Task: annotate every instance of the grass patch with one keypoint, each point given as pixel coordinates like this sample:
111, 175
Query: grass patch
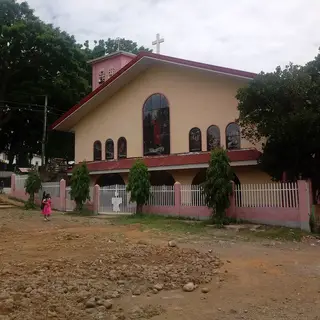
279, 233
168, 224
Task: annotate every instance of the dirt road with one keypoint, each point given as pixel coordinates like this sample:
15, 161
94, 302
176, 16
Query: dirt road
86, 268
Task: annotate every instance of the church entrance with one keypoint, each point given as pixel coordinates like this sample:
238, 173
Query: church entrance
114, 198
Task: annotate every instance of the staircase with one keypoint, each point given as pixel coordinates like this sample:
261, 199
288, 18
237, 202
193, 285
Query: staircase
5, 204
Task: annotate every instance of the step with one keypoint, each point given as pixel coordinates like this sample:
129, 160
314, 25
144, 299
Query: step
6, 206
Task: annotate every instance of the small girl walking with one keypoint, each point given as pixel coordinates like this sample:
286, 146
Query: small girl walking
46, 206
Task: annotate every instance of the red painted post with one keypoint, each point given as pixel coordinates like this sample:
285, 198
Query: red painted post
177, 198
13, 184
63, 199
96, 199
304, 204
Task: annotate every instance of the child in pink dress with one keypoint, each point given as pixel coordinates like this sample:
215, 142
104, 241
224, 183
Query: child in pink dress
46, 211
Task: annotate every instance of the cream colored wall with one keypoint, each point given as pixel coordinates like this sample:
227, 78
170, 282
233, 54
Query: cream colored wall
196, 99
251, 174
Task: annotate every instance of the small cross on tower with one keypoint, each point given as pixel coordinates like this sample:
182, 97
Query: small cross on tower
157, 43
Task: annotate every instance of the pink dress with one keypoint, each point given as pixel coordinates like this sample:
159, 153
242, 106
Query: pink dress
47, 207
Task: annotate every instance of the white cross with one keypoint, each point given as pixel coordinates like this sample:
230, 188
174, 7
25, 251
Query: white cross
116, 202
157, 43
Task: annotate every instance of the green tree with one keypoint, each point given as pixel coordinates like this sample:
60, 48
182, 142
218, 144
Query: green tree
282, 110
103, 47
36, 59
218, 185
32, 185
139, 184
80, 186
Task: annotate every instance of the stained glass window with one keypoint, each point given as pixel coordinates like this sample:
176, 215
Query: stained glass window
156, 125
109, 149
233, 138
122, 148
97, 151
213, 137
195, 140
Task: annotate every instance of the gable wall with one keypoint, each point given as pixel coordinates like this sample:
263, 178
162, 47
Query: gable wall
196, 99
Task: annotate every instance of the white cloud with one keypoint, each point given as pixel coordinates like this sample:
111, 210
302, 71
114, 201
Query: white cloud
244, 34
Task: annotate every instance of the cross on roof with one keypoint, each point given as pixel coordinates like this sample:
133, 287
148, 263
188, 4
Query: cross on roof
157, 43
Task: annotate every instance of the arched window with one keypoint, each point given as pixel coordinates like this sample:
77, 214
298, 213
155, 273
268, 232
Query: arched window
97, 151
156, 125
109, 149
213, 137
195, 140
122, 148
233, 138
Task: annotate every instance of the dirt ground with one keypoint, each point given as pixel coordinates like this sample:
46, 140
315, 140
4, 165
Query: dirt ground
91, 268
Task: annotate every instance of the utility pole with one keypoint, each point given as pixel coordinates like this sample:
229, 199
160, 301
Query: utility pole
44, 134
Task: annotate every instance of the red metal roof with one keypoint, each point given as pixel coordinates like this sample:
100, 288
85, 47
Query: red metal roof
171, 160
187, 63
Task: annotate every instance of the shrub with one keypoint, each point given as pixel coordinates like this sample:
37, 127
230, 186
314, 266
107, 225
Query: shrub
80, 186
139, 185
32, 186
218, 186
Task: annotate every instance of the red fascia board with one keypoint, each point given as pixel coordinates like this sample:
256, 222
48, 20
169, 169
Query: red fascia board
171, 160
189, 63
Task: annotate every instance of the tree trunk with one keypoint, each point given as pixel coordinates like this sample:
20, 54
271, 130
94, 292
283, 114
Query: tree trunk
139, 208
31, 198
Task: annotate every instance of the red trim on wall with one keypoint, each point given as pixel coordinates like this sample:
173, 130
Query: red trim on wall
172, 160
157, 57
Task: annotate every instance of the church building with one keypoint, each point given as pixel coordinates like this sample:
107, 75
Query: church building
168, 111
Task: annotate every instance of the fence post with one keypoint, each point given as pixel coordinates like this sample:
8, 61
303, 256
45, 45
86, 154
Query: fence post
304, 204
13, 184
96, 199
177, 198
63, 200
231, 211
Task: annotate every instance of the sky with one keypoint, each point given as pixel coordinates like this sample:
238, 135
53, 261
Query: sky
251, 35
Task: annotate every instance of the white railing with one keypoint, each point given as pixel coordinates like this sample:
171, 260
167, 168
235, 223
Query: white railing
70, 204
161, 196
20, 181
53, 188
115, 199
192, 196
277, 195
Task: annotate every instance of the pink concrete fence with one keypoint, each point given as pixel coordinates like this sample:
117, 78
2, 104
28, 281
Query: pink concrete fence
282, 204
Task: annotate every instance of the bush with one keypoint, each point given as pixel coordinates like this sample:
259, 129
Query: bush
32, 185
80, 186
139, 185
218, 186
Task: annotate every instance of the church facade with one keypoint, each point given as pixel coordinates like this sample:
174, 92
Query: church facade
168, 111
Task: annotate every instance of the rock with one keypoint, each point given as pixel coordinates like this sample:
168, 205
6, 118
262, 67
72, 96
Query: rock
155, 291
205, 290
143, 242
136, 292
91, 303
189, 287
158, 286
28, 290
172, 244
108, 304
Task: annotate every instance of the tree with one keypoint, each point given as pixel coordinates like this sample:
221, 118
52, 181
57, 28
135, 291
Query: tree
139, 184
282, 110
218, 185
103, 47
36, 59
32, 185
80, 186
